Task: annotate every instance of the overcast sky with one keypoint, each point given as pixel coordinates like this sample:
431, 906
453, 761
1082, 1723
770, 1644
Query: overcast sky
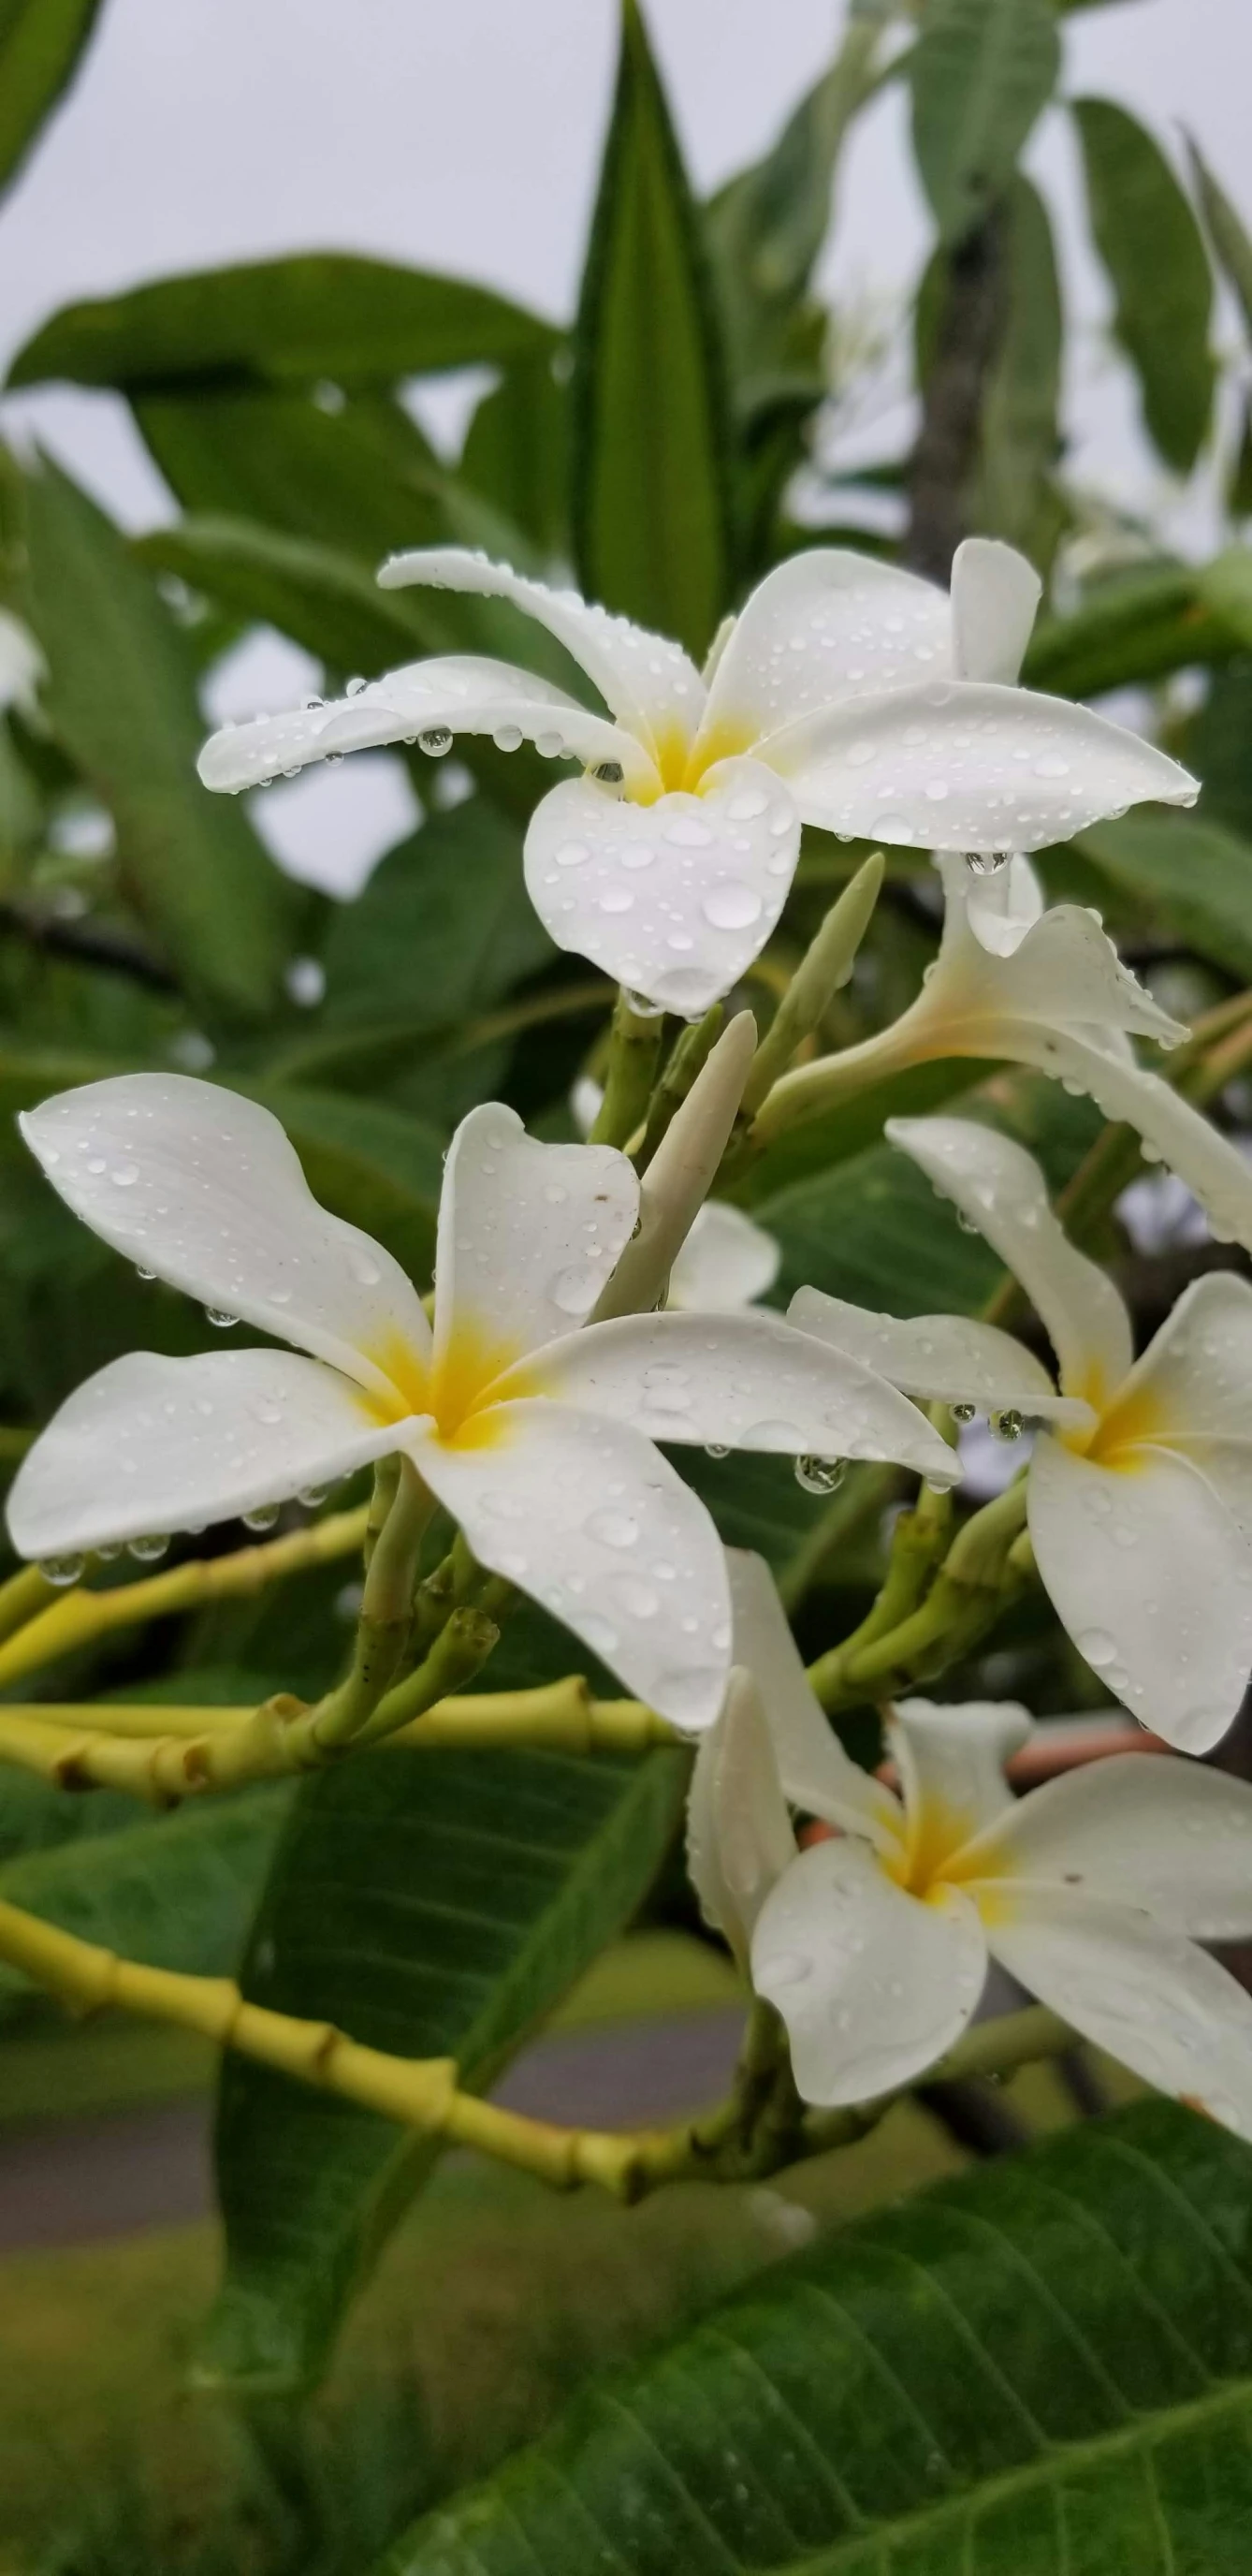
467, 139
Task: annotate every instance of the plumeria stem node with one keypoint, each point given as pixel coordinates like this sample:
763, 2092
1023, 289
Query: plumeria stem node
634, 1046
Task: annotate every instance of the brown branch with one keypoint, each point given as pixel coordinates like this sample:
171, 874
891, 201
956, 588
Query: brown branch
941, 468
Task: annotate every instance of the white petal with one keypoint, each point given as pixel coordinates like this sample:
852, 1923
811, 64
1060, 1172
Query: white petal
872, 1984
742, 1382
1153, 1580
645, 680
1145, 1994
202, 1188
1175, 1134
673, 899
1002, 907
155, 1445
822, 627
528, 1235
589, 1520
1192, 1390
951, 1762
949, 1358
725, 1264
967, 765
817, 1775
995, 593
1172, 1836
739, 1837
22, 665
1062, 969
457, 693
1000, 1188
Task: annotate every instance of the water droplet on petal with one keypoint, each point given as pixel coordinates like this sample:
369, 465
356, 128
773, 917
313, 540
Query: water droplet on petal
820, 1475
218, 1316
148, 1548
61, 1570
436, 742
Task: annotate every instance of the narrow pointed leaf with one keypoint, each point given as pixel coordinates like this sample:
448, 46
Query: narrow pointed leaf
979, 75
1226, 230
1043, 2366
1137, 625
1016, 496
1151, 245
42, 43
649, 430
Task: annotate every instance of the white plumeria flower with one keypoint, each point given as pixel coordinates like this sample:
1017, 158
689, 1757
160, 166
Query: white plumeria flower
727, 1261
846, 694
536, 1436
874, 1944
1016, 984
1139, 1488
22, 668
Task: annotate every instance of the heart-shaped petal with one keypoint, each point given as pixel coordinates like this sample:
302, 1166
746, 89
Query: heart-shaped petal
673, 899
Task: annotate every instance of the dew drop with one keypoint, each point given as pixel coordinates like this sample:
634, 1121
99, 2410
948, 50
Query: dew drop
148, 1548
731, 907
436, 742
574, 1291
609, 772
572, 854
124, 1175
263, 1518
964, 1412
613, 1529
61, 1570
507, 737
820, 1475
218, 1316
145, 1274
1098, 1647
987, 863
1008, 1425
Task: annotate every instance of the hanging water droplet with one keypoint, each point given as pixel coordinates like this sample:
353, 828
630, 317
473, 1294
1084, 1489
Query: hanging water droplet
550, 746
820, 1475
263, 1518
609, 772
145, 1274
1008, 1425
312, 1495
987, 863
507, 737
716, 1449
964, 1412
217, 1315
642, 1007
436, 742
107, 1554
966, 1223
148, 1549
61, 1570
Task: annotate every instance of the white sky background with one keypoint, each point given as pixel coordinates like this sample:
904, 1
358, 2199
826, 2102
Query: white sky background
468, 139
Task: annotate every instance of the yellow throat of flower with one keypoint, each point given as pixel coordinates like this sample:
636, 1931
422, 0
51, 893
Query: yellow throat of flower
458, 1388
683, 767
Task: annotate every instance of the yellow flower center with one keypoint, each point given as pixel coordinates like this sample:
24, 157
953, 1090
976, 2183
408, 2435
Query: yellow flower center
458, 1388
1134, 1418
683, 768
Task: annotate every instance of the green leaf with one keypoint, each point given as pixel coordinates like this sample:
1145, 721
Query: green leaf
325, 600
874, 1232
1226, 230
442, 930
42, 43
1151, 245
651, 512
1194, 875
979, 75
516, 452
1016, 496
360, 477
321, 317
1041, 2367
1217, 744
1136, 625
173, 1891
121, 698
374, 1165
433, 1904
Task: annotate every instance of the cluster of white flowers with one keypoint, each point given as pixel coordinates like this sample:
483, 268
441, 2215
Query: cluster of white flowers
854, 697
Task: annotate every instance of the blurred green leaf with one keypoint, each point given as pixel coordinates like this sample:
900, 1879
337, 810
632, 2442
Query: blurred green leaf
873, 1231
650, 435
319, 317
42, 43
1195, 876
1217, 744
1239, 482
433, 1904
516, 451
360, 476
376, 1166
1042, 2366
1134, 625
1016, 495
121, 698
979, 75
1226, 230
325, 600
1151, 245
444, 927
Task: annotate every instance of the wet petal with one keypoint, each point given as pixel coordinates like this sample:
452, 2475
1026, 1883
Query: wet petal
1172, 1836
673, 899
153, 1445
949, 1358
995, 593
999, 1187
588, 1519
1153, 1580
646, 681
1173, 1131
1061, 970
967, 766
1145, 1994
203, 1189
1002, 907
951, 1762
823, 626
456, 693
1192, 1390
817, 1775
528, 1235
742, 1382
872, 1985
739, 1837
725, 1264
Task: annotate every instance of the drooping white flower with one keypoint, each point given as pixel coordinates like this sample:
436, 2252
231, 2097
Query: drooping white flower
538, 1437
1139, 1487
874, 1944
727, 1261
846, 694
22, 668
1016, 984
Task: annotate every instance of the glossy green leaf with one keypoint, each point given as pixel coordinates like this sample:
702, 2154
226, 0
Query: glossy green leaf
1016, 496
1040, 2368
1195, 876
873, 1231
433, 1904
320, 317
121, 698
42, 43
1151, 245
1135, 625
1226, 230
650, 438
979, 75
